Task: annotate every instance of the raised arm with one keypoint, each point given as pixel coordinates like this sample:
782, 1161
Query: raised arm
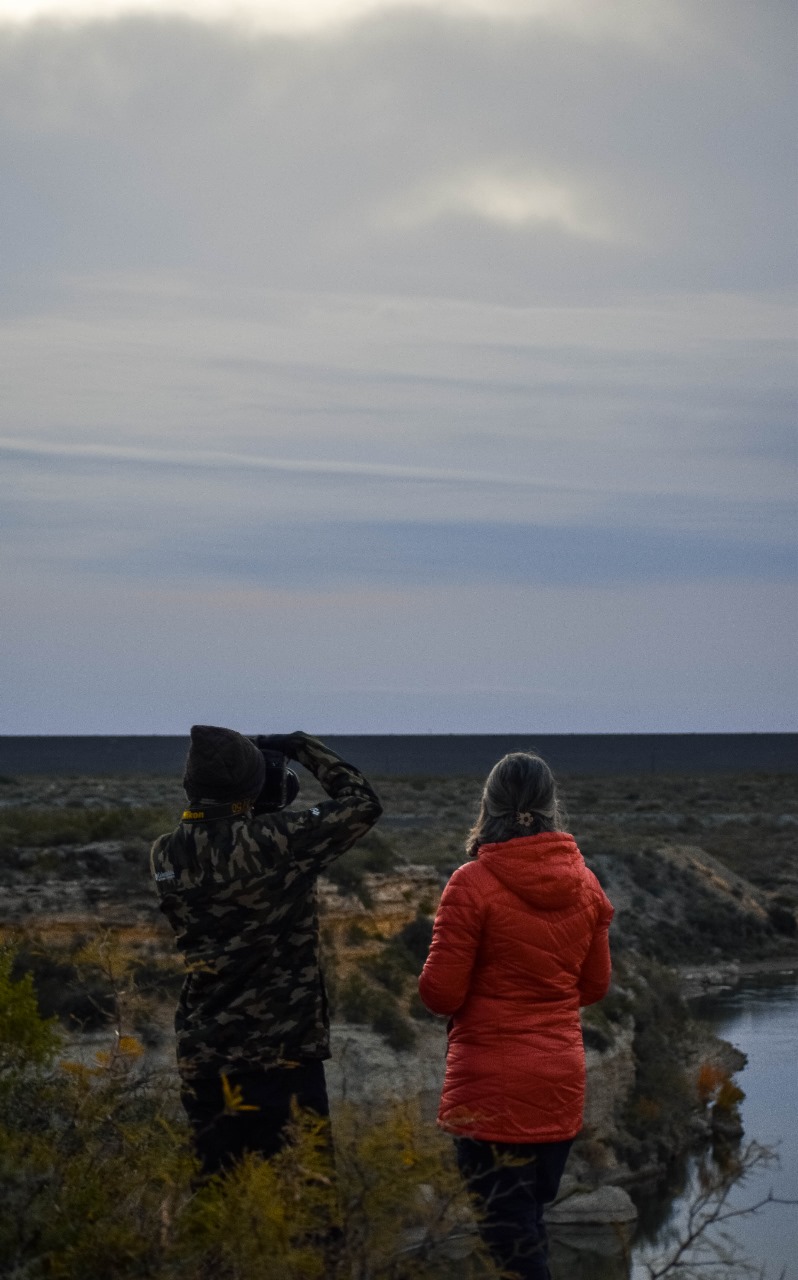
318, 835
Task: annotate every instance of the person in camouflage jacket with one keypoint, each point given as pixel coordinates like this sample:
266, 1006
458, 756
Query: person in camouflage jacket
240, 894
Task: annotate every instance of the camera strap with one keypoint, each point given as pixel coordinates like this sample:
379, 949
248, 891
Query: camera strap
210, 812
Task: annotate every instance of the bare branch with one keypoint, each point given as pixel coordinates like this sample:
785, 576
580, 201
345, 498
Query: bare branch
707, 1214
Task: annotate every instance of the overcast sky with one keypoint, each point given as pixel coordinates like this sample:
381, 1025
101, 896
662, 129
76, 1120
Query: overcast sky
381, 368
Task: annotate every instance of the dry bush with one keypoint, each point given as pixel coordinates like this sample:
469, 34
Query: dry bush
97, 1175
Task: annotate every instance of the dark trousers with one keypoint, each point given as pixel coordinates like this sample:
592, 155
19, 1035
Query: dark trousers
510, 1183
222, 1136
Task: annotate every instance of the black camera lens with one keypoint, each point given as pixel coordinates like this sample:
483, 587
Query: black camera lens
280, 786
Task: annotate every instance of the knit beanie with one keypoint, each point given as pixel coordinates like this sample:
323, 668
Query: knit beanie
222, 765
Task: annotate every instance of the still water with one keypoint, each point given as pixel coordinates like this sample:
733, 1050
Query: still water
760, 1016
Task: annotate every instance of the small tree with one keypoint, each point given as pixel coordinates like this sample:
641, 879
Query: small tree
27, 1041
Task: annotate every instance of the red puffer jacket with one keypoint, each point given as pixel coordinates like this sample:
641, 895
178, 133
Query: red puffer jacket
520, 942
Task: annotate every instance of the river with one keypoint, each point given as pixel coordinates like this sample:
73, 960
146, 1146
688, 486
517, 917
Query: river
760, 1016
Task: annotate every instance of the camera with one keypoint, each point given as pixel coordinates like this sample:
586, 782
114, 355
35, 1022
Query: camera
281, 785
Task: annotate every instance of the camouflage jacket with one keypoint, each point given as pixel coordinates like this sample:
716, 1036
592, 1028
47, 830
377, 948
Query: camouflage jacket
240, 894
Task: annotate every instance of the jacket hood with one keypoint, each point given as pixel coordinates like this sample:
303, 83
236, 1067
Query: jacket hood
546, 870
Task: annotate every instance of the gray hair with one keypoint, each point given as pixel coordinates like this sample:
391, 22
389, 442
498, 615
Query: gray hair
519, 799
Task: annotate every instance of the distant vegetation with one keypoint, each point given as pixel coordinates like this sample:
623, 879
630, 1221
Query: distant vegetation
24, 827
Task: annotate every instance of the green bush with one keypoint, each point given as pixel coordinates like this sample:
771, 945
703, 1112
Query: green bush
352, 999
356, 935
389, 968
26, 827
27, 1040
402, 957
360, 1002
371, 854
660, 1106
96, 1174
415, 939
388, 1021
80, 995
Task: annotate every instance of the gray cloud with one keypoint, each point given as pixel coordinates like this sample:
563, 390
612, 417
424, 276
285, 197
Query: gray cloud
215, 461
156, 518
365, 331
180, 145
392, 554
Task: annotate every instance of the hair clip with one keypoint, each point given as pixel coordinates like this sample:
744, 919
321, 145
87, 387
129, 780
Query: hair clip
525, 819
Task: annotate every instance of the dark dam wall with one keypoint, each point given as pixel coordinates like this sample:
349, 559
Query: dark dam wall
436, 754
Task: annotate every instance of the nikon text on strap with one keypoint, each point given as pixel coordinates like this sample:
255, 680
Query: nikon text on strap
210, 812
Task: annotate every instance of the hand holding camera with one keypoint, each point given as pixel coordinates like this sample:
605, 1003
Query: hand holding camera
281, 785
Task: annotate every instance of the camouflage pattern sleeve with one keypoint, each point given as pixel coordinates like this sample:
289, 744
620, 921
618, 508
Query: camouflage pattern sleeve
240, 895
317, 836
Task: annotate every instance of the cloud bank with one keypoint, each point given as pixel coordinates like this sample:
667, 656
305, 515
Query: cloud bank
372, 321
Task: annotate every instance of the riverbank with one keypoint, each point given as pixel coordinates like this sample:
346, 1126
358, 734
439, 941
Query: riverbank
759, 1016
699, 980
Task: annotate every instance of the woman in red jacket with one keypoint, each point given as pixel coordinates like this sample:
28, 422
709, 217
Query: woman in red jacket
520, 942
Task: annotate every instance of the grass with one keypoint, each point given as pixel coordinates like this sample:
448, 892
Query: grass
22, 827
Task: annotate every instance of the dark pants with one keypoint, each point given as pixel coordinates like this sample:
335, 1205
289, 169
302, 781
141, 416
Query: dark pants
510, 1183
221, 1137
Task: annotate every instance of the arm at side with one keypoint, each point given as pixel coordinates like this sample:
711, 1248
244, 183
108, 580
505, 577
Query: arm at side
446, 976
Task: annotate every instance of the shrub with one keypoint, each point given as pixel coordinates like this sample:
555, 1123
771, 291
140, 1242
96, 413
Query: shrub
710, 1077
418, 1010
415, 938
617, 1004
352, 999
661, 1103
595, 1037
158, 977
729, 1096
359, 1002
63, 826
356, 935
371, 854
80, 995
390, 968
26, 1038
388, 1020
96, 1176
